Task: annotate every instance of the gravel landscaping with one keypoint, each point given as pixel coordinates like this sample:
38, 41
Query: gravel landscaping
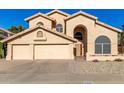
97, 67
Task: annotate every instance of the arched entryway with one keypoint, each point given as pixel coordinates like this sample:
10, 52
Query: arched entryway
80, 33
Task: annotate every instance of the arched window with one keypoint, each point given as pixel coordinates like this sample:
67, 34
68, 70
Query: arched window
59, 28
102, 45
39, 34
78, 36
40, 24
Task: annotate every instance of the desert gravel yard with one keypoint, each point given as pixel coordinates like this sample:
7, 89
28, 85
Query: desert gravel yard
60, 72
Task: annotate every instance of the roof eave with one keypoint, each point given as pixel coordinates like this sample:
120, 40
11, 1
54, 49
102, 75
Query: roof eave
36, 15
81, 13
57, 11
7, 31
108, 26
30, 29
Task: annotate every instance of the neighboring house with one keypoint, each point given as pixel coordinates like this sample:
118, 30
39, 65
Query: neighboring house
5, 33
58, 35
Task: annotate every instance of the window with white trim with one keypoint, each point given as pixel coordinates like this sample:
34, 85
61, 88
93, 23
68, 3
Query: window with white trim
102, 45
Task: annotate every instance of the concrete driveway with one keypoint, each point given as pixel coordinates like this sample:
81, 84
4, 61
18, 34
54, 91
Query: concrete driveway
52, 72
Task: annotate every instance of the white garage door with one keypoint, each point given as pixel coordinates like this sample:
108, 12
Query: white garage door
21, 52
52, 52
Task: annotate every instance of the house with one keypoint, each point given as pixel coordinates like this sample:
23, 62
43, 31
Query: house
59, 35
5, 33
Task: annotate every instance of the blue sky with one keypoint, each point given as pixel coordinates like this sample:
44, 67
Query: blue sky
15, 17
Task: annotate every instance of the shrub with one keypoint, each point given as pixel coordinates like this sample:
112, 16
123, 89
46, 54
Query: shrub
118, 60
108, 60
95, 60
3, 49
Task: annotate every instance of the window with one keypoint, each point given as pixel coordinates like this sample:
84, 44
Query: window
39, 34
59, 28
40, 24
102, 45
78, 36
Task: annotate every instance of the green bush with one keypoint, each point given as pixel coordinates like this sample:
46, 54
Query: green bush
2, 50
95, 60
118, 60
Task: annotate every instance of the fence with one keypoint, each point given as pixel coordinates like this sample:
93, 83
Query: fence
121, 49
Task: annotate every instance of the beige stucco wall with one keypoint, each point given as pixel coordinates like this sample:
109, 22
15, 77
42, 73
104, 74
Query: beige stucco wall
9, 52
47, 23
79, 20
93, 31
112, 35
87, 23
59, 19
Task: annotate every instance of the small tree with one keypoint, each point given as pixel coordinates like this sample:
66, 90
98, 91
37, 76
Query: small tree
16, 29
2, 55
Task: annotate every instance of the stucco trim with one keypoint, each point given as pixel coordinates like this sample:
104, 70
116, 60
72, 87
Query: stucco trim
37, 27
39, 14
108, 26
81, 13
54, 44
57, 11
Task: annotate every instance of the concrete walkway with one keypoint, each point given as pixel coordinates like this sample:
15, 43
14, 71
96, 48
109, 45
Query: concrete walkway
53, 72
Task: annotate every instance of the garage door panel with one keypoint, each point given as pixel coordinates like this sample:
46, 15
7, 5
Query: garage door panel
52, 52
21, 52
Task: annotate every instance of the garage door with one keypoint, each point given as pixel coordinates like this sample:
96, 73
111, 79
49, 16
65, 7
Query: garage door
21, 52
52, 52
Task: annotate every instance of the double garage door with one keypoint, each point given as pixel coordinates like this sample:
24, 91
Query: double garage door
25, 52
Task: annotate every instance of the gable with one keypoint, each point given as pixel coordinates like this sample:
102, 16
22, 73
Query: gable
46, 23
57, 16
90, 17
82, 14
79, 20
37, 15
58, 12
30, 36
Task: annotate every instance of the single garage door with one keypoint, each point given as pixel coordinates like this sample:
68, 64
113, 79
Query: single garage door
52, 52
21, 52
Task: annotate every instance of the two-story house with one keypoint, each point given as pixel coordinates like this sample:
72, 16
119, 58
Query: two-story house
59, 35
